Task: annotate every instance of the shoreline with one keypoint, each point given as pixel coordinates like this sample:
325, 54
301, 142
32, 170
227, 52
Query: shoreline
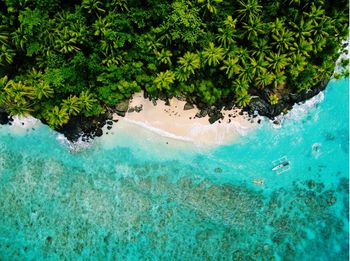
177, 120
83, 129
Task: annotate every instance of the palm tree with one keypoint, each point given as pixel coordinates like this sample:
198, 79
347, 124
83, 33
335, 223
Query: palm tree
321, 35
43, 89
231, 66
247, 73
16, 97
210, 5
298, 63
283, 40
112, 60
261, 47
258, 66
226, 36
181, 75
252, 29
304, 47
240, 85
273, 99
3, 82
277, 26
109, 42
4, 35
278, 61
213, 55
302, 29
101, 25
66, 41
249, 9
72, 105
315, 15
279, 79
189, 62
19, 39
164, 80
243, 99
164, 56
86, 100
6, 55
93, 6
120, 5
241, 52
230, 22
56, 117
264, 80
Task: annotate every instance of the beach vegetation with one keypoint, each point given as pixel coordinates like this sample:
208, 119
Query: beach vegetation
62, 59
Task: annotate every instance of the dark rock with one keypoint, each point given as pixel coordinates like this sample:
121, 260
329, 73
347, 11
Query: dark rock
188, 106
122, 107
261, 105
109, 122
215, 116
87, 127
131, 110
138, 108
201, 105
218, 170
4, 117
182, 97
109, 127
162, 96
202, 113
98, 132
311, 184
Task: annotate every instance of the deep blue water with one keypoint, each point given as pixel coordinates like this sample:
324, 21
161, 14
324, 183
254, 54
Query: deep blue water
137, 199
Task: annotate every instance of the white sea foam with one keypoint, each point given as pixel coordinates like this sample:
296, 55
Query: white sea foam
74, 147
158, 131
217, 133
299, 111
22, 124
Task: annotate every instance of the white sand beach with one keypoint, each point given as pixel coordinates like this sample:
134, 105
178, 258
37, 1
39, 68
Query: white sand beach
174, 122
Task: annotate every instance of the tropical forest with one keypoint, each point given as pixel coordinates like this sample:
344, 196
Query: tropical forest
60, 59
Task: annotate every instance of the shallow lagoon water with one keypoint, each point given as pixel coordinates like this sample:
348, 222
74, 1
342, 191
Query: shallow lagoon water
139, 198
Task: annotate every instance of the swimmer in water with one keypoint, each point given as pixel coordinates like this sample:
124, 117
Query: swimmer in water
259, 182
316, 149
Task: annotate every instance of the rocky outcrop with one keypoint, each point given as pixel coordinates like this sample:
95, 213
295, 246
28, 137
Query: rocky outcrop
4, 116
188, 106
122, 107
85, 127
261, 105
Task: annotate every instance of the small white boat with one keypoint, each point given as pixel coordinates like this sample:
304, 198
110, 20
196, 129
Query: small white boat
281, 165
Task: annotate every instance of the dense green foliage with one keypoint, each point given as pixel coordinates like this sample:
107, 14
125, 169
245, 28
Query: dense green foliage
62, 58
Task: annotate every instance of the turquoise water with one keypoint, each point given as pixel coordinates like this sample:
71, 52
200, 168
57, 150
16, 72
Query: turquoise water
147, 200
